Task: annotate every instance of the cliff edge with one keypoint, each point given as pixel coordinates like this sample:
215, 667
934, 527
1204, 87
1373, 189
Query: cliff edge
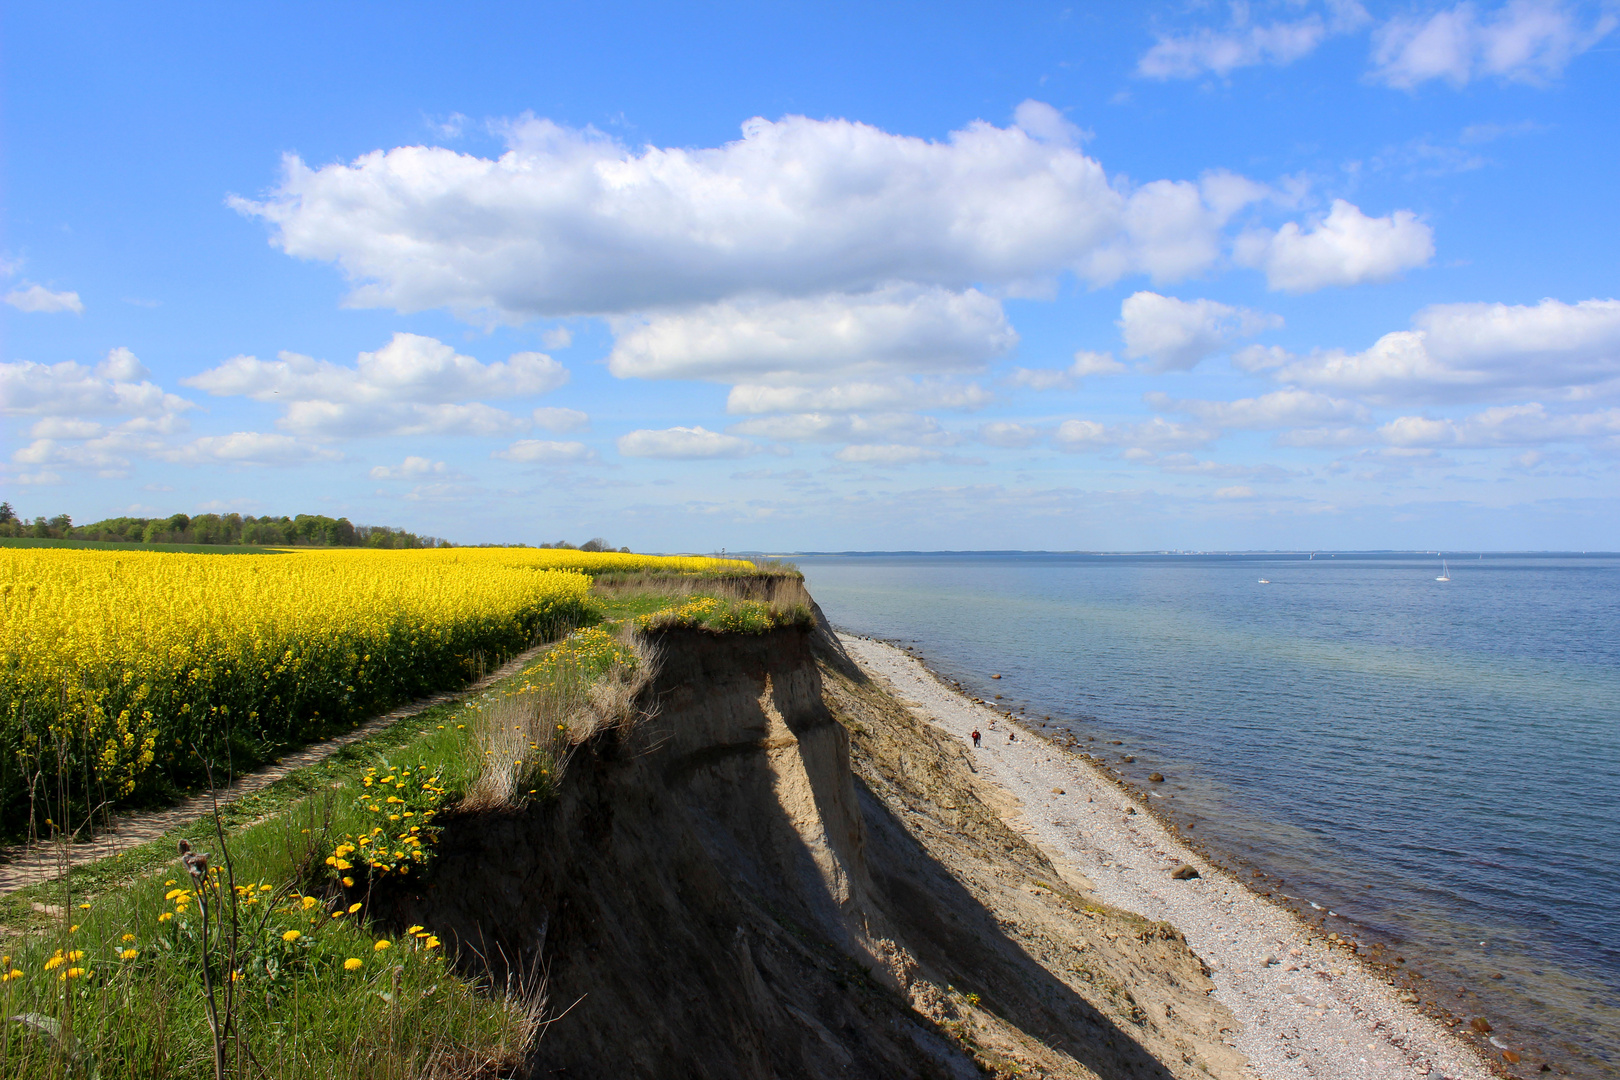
781, 872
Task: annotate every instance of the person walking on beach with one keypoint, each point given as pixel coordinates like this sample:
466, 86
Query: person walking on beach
975, 738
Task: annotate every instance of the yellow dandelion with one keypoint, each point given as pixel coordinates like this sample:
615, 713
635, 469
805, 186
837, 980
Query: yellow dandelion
166, 916
354, 908
128, 954
55, 962
353, 963
414, 929
381, 945
348, 883
127, 937
291, 935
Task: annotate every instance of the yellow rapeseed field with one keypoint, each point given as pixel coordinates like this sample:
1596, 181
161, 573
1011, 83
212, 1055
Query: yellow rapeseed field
118, 667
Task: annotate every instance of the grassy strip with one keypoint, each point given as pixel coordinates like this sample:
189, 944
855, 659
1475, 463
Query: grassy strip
313, 990
307, 988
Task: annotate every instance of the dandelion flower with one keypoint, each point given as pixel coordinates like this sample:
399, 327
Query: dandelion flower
127, 937
84, 907
431, 943
166, 916
348, 883
291, 935
381, 945
354, 908
12, 974
353, 964
76, 954
55, 962
414, 929
128, 954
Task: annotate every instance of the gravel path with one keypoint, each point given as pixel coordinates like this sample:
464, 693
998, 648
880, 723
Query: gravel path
1307, 1011
29, 864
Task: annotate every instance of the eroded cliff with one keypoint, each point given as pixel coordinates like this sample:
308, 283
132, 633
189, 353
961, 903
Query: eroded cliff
779, 872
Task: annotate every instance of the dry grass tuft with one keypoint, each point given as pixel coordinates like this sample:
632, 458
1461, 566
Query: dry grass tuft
586, 685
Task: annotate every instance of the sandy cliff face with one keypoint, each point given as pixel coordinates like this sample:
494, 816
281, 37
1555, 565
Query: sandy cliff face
783, 874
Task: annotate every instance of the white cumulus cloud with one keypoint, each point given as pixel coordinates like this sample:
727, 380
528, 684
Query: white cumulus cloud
118, 386
1151, 435
848, 397
1288, 408
1510, 425
1345, 248
1528, 41
414, 385
683, 443
249, 448
545, 452
1473, 351
891, 427
409, 368
39, 299
557, 419
1174, 335
570, 222
890, 330
411, 468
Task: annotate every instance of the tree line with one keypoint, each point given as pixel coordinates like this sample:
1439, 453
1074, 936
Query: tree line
304, 530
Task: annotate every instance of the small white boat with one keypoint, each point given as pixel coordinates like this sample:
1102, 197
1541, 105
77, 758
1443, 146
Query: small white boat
1445, 571
1265, 581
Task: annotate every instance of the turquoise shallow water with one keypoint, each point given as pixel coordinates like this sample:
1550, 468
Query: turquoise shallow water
1438, 763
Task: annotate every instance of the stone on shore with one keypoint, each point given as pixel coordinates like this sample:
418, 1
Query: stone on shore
1184, 872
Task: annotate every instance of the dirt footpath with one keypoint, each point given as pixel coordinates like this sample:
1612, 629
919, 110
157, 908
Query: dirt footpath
29, 864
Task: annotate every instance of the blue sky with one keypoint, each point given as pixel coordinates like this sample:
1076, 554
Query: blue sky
795, 277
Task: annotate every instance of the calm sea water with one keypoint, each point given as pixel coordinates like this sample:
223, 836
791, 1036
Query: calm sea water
1439, 763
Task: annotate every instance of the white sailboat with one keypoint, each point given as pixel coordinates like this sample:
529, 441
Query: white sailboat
1445, 571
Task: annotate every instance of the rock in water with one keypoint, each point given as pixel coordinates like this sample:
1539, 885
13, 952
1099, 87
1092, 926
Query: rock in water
1129, 760
1183, 872
1481, 1025
1157, 778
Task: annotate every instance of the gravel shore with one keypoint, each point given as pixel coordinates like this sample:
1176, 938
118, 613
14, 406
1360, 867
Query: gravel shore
1307, 1009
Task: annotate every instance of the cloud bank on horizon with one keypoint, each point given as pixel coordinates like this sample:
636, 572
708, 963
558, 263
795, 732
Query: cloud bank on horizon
994, 316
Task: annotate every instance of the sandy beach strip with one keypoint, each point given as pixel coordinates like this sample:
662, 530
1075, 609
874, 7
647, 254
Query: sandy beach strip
1308, 1011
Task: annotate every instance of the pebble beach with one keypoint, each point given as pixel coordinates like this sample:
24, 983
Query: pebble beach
1306, 1007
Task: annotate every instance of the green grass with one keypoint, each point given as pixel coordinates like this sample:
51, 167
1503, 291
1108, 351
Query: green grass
120, 545
300, 1013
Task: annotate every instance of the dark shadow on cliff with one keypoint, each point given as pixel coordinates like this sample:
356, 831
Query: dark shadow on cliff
703, 896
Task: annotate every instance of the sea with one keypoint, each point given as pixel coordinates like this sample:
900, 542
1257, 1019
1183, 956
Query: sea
1431, 766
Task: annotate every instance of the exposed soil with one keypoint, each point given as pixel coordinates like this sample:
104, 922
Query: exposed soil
785, 873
